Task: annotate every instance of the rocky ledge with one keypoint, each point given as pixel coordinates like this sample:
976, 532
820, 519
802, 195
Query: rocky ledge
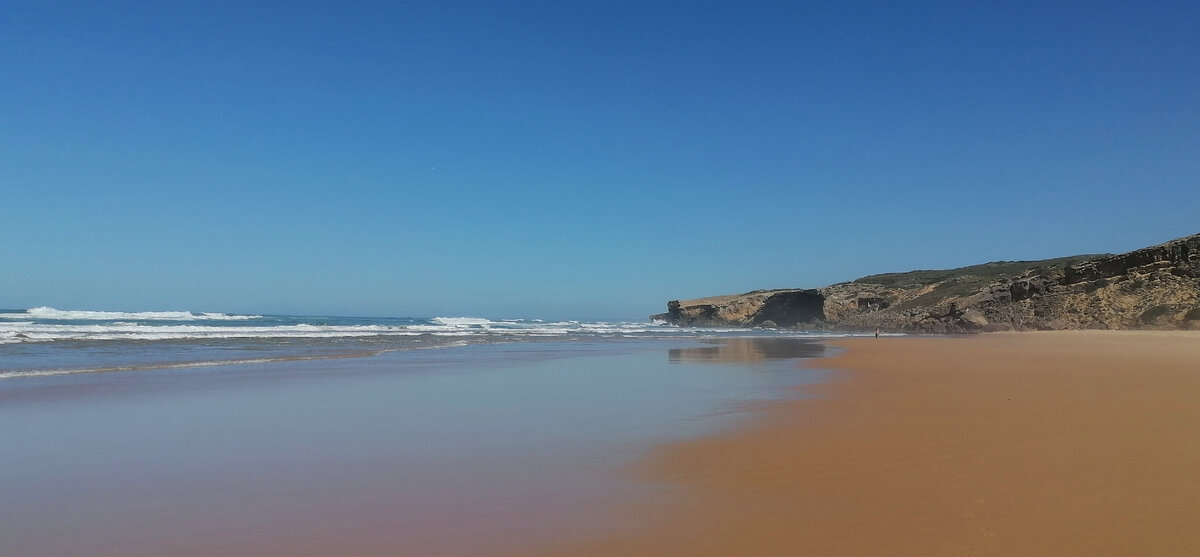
1156, 287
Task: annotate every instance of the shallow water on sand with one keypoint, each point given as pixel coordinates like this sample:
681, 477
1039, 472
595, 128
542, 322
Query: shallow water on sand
431, 452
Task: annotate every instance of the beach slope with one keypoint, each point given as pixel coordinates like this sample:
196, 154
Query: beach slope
1048, 443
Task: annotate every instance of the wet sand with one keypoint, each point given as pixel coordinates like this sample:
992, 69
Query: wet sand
1055, 443
466, 451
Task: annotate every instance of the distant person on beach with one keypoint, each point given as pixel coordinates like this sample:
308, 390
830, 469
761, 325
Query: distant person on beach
876, 333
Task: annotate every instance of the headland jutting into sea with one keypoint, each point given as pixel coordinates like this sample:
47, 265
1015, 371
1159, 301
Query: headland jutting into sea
1157, 287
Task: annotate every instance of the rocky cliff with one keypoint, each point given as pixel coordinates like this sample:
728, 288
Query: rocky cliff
1154, 287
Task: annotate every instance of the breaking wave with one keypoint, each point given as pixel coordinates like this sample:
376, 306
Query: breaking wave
48, 341
45, 312
47, 324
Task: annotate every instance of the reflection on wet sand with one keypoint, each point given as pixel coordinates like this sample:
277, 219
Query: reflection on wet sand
744, 350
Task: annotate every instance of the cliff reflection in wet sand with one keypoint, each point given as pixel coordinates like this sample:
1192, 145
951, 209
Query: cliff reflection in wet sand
744, 350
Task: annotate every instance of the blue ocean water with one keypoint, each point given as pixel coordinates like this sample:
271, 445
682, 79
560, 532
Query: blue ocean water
48, 341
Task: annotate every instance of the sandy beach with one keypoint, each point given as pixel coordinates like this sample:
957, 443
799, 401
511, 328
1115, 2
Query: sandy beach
1048, 443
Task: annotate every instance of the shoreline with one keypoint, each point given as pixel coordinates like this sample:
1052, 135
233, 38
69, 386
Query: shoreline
1046, 443
147, 355
473, 451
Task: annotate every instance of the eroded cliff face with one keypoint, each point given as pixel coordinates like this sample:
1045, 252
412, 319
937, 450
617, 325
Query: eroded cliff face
1154, 287
761, 308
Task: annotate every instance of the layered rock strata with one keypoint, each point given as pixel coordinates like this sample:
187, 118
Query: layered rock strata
1155, 287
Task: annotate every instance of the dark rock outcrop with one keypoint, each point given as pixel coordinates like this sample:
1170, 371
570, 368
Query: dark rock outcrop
1154, 287
769, 308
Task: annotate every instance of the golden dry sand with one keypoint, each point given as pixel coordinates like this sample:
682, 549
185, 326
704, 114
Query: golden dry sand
1014, 444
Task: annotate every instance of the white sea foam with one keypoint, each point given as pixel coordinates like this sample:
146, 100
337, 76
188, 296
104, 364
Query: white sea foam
463, 321
52, 336
29, 331
45, 324
45, 312
35, 332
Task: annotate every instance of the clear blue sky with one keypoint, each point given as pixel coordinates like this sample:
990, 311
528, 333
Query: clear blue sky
567, 159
